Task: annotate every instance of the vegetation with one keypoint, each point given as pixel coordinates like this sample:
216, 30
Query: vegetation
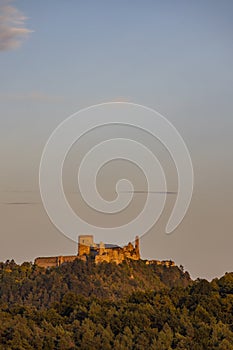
130, 306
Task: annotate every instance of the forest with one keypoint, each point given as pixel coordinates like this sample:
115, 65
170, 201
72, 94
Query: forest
130, 306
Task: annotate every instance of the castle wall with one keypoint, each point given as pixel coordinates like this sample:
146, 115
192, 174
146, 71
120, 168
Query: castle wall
46, 261
117, 254
69, 258
167, 263
83, 249
54, 261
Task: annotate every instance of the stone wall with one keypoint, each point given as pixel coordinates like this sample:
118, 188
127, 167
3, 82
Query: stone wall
54, 261
47, 261
117, 254
167, 263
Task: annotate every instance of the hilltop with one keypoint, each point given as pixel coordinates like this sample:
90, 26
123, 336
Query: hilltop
30, 284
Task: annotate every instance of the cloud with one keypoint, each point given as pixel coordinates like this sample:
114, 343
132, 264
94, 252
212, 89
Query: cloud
12, 26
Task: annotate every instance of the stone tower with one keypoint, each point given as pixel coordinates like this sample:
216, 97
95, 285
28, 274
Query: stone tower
137, 248
84, 244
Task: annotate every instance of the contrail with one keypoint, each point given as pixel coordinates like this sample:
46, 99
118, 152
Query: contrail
19, 203
155, 192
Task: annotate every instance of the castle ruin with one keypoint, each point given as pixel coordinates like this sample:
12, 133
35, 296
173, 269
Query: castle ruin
88, 249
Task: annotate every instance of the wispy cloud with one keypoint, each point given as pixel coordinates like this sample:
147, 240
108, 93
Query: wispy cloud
12, 26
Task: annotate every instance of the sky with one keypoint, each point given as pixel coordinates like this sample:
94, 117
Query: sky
175, 56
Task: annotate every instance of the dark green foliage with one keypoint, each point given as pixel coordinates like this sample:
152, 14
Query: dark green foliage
132, 306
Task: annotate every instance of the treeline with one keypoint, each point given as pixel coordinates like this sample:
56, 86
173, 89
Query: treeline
105, 306
31, 285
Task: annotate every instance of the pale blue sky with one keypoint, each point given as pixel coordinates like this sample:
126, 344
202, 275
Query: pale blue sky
173, 56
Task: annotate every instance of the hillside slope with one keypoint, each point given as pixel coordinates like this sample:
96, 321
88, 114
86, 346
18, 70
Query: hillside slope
132, 306
29, 284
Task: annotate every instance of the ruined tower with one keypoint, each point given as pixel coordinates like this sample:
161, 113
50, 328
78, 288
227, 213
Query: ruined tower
137, 248
84, 244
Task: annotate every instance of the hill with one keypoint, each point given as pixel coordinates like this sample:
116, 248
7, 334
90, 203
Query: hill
32, 285
107, 306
